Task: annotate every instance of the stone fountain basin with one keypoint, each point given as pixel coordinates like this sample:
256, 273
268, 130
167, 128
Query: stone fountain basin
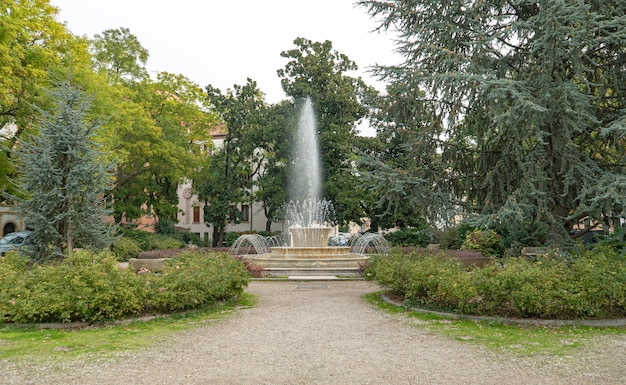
294, 252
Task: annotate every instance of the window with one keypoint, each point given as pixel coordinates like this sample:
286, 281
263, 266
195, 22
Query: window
245, 213
196, 214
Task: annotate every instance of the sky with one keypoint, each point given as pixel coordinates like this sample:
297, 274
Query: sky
224, 42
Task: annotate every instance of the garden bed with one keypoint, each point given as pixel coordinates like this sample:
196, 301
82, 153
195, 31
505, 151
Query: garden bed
467, 258
586, 286
168, 253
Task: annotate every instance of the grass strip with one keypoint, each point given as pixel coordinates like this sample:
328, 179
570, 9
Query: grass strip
525, 340
45, 345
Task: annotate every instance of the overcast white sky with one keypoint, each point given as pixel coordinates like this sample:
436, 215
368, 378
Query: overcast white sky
223, 42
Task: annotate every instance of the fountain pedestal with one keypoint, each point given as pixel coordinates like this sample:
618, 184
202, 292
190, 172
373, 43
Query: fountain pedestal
310, 236
309, 254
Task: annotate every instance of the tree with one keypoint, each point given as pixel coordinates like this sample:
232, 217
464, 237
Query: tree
532, 100
64, 179
178, 107
154, 128
407, 143
34, 48
273, 143
225, 181
317, 71
119, 53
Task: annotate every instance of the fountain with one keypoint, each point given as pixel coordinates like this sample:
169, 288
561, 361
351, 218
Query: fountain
309, 220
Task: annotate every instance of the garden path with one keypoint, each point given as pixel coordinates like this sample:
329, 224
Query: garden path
324, 333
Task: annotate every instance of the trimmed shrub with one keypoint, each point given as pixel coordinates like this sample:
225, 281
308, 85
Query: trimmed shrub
83, 287
588, 286
125, 249
190, 238
190, 280
410, 237
91, 287
230, 238
488, 242
152, 241
162, 242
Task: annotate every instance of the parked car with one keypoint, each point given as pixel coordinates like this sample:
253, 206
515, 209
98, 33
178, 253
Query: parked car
341, 239
19, 240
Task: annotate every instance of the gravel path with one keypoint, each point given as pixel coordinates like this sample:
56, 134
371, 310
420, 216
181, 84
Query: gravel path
323, 333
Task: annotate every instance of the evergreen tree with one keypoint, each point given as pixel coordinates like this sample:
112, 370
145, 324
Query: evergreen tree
64, 179
532, 98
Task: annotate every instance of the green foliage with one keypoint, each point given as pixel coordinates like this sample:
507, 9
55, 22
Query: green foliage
615, 240
397, 169
225, 179
154, 126
521, 340
84, 287
452, 237
152, 241
518, 119
589, 286
91, 287
165, 226
143, 238
230, 238
488, 242
120, 55
64, 179
317, 71
163, 242
125, 248
273, 138
188, 238
191, 280
410, 237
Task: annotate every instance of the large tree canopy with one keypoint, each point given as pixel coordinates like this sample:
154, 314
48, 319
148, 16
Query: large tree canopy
119, 53
35, 51
532, 100
225, 179
317, 71
153, 126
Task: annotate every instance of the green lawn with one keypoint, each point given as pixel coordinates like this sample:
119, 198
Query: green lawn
504, 338
41, 345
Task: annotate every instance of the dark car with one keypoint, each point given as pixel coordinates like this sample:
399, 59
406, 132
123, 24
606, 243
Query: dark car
19, 240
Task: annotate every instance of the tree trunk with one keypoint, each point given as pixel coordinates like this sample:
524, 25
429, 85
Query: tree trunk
218, 236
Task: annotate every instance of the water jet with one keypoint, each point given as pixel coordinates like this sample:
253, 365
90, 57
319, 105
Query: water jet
310, 222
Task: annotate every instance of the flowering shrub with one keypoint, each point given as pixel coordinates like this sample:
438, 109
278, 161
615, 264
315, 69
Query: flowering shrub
84, 287
91, 287
190, 280
589, 286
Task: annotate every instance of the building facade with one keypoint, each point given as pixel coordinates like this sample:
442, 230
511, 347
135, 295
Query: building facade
191, 209
10, 220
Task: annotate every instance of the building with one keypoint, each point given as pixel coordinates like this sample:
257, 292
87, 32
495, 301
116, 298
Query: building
191, 209
10, 220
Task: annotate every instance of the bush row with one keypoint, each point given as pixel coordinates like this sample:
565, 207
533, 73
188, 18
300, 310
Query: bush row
91, 287
588, 286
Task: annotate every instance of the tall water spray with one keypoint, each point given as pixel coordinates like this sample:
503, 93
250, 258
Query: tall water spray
306, 176
309, 219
